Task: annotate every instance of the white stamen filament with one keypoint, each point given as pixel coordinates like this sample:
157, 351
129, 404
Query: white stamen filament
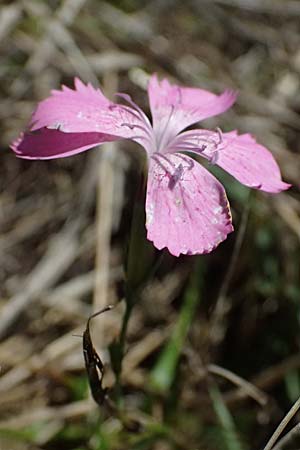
160, 139
135, 125
139, 114
200, 142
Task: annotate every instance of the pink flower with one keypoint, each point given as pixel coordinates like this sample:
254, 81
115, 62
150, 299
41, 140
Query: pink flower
187, 210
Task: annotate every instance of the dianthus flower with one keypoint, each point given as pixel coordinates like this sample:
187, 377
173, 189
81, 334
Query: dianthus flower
187, 210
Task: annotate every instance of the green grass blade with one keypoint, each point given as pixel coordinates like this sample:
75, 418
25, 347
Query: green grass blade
231, 438
163, 374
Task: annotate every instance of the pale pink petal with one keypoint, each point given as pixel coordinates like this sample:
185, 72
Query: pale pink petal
86, 110
174, 108
241, 156
186, 207
48, 144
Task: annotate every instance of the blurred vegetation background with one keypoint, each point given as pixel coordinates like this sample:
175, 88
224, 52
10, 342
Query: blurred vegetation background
204, 326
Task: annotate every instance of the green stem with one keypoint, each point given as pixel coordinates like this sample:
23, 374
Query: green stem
121, 349
230, 436
164, 372
140, 265
123, 332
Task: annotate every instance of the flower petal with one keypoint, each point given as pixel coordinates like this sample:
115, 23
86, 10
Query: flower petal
241, 156
174, 108
86, 110
48, 144
186, 207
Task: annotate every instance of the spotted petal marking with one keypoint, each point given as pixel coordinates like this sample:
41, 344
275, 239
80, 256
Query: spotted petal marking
186, 207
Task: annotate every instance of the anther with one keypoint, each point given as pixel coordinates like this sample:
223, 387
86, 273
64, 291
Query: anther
129, 125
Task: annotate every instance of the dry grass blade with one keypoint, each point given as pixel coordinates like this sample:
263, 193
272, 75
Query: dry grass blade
287, 212
289, 8
64, 40
249, 46
248, 388
218, 320
137, 353
71, 411
9, 17
288, 438
129, 27
113, 61
106, 193
287, 418
267, 378
55, 33
61, 253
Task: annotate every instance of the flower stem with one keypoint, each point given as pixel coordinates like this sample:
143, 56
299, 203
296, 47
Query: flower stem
126, 317
140, 264
121, 350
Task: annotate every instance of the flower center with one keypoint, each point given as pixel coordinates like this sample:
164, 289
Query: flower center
170, 171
